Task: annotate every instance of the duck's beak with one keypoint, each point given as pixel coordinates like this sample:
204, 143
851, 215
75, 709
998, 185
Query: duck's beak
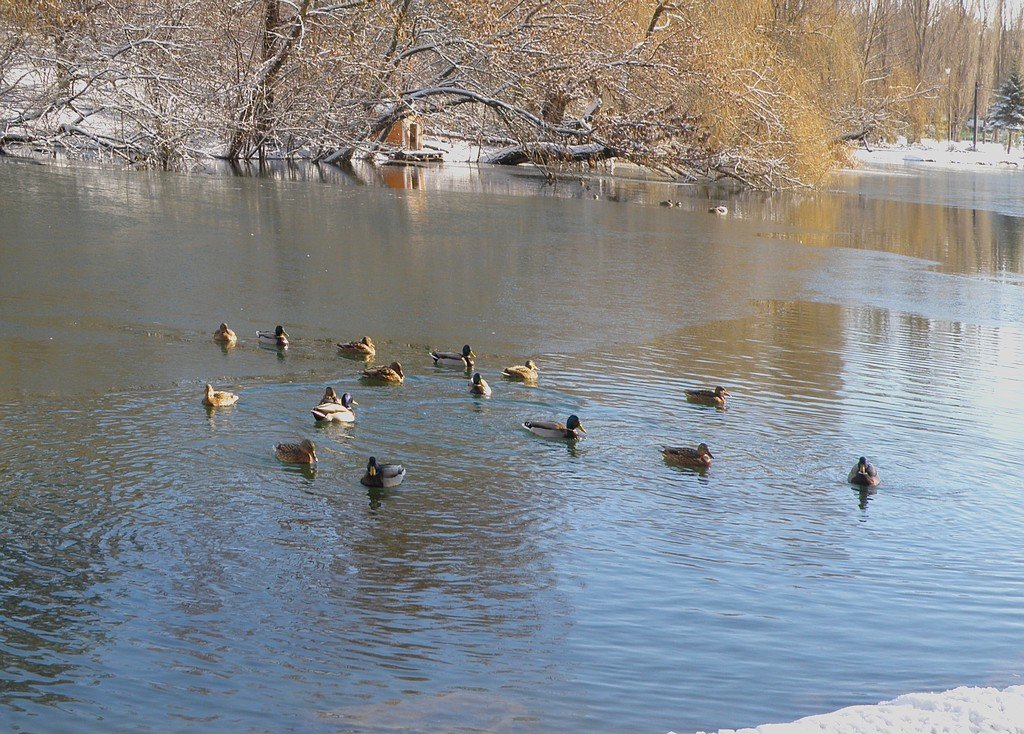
354, 403
582, 428
711, 454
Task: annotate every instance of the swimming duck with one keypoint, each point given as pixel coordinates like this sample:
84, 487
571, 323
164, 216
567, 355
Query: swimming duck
224, 334
218, 398
333, 409
455, 359
721, 210
864, 474
699, 457
382, 475
550, 429
278, 338
392, 373
296, 453
526, 373
362, 348
714, 397
478, 386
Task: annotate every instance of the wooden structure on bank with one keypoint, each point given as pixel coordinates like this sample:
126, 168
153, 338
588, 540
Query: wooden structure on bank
406, 137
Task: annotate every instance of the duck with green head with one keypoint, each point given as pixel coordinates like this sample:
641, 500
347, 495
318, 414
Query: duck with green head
572, 428
464, 360
864, 474
277, 338
478, 386
382, 475
335, 409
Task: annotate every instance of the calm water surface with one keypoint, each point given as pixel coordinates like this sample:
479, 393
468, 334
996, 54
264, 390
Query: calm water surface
162, 572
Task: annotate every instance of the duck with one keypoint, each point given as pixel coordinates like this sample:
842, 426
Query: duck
382, 475
362, 348
224, 334
218, 398
864, 474
303, 452
550, 429
392, 373
478, 386
525, 372
699, 457
714, 397
331, 408
720, 210
278, 337
668, 202
455, 359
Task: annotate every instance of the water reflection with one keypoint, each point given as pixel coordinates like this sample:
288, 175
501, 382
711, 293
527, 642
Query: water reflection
559, 574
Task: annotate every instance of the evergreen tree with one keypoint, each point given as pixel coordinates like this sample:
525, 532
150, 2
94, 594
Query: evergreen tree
1007, 111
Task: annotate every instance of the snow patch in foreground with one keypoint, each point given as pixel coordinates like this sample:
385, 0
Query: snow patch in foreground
959, 711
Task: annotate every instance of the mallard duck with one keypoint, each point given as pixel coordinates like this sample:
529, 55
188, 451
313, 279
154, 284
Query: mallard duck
721, 210
714, 397
526, 373
296, 453
550, 429
224, 334
362, 348
669, 202
864, 474
699, 457
455, 359
333, 409
277, 338
382, 475
218, 398
392, 373
478, 386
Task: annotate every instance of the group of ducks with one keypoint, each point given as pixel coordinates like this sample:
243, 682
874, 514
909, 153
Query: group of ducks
333, 408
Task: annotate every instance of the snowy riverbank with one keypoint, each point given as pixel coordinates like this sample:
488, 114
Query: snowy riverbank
959, 711
941, 154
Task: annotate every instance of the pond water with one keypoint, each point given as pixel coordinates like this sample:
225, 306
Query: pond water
161, 571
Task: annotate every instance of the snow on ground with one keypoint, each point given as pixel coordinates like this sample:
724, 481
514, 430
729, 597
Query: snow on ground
959, 711
942, 154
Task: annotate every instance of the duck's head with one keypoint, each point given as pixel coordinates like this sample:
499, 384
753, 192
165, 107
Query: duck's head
371, 467
721, 392
309, 447
330, 396
703, 450
279, 331
476, 378
223, 327
531, 364
397, 367
347, 401
367, 341
467, 352
209, 389
862, 465
573, 424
